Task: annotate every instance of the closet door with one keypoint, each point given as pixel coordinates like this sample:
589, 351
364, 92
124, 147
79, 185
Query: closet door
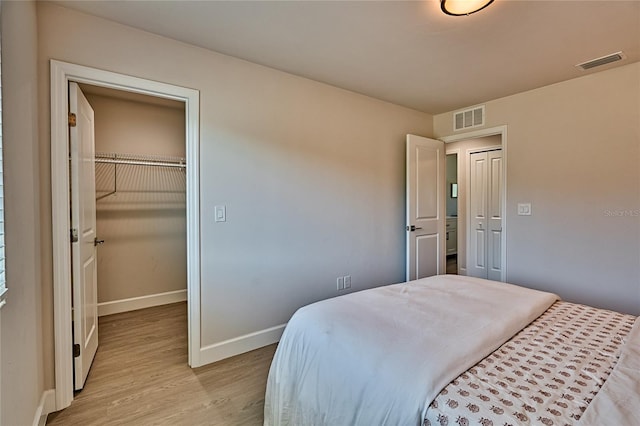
494, 215
83, 224
484, 256
477, 251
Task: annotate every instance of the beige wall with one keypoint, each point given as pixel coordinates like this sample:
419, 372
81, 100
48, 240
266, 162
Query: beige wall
22, 318
144, 223
312, 176
573, 151
462, 149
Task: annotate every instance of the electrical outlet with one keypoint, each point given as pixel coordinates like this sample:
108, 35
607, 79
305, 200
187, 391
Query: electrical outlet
524, 209
347, 281
340, 283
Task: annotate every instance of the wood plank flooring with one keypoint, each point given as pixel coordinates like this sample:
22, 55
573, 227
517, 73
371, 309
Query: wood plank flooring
140, 377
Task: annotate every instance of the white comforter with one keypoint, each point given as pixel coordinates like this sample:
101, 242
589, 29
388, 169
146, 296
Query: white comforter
618, 402
379, 356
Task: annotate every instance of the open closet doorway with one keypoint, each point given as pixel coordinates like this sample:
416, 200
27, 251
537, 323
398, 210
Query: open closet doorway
475, 216
65, 76
140, 205
140, 199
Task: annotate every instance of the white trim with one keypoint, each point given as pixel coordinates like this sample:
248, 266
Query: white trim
492, 131
47, 406
61, 74
141, 302
242, 344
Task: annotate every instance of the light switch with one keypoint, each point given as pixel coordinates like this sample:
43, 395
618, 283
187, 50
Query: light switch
524, 209
221, 213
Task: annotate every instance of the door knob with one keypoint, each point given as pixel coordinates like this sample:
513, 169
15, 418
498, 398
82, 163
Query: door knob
412, 228
97, 242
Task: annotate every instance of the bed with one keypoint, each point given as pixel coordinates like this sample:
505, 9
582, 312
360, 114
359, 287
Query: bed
453, 350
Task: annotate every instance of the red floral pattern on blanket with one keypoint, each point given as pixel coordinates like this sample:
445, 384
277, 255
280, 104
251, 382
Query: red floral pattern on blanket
547, 374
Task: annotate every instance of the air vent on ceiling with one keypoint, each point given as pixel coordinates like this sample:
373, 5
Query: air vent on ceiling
468, 118
603, 60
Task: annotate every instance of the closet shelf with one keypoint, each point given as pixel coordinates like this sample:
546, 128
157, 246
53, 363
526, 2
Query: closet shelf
140, 160
117, 159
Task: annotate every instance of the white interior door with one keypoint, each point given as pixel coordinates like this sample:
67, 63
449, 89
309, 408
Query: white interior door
494, 215
476, 252
425, 228
83, 224
484, 253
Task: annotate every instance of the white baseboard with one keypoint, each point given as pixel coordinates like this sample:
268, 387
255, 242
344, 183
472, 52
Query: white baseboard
134, 303
47, 406
240, 345
463, 271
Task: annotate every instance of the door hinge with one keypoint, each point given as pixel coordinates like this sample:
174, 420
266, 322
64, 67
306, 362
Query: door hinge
72, 120
74, 235
76, 350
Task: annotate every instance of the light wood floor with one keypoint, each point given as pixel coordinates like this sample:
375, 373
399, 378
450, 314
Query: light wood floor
140, 377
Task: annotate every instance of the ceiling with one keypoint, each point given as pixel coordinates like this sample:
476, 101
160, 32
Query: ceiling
405, 52
123, 95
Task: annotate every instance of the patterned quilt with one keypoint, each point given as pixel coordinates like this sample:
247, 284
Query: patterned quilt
547, 374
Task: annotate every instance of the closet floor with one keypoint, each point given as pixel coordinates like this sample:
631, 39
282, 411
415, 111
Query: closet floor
140, 376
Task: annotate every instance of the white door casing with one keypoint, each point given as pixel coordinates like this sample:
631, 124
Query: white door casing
425, 209
484, 255
61, 74
83, 224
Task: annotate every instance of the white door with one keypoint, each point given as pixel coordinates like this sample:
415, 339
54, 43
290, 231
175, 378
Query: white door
494, 215
484, 253
425, 226
83, 224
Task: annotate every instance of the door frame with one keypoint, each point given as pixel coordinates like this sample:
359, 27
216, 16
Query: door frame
492, 131
61, 73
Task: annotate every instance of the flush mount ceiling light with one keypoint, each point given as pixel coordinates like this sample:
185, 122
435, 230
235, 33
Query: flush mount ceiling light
463, 7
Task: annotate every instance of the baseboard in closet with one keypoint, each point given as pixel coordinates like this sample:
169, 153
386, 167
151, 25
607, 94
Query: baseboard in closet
134, 303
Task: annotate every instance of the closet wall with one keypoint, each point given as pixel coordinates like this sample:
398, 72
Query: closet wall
143, 223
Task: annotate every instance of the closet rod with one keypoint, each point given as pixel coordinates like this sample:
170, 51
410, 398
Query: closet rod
181, 165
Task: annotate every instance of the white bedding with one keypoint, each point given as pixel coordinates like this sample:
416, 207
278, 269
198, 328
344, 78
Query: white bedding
378, 357
618, 402
547, 374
